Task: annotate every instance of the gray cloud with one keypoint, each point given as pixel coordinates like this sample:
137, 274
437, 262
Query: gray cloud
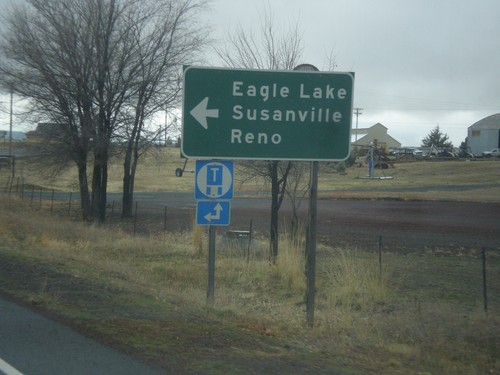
417, 63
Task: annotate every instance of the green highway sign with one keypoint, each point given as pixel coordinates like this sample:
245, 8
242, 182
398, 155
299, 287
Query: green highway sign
262, 114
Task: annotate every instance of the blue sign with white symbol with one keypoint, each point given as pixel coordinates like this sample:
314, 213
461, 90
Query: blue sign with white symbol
213, 212
214, 179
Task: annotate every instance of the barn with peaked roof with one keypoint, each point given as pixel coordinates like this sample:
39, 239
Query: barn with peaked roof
378, 133
484, 135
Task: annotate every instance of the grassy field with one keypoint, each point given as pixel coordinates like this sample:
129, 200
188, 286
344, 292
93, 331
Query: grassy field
146, 295
156, 172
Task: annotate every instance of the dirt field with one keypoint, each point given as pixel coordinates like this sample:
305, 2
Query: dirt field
405, 226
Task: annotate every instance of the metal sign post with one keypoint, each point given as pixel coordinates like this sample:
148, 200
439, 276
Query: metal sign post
311, 244
211, 265
213, 189
311, 229
302, 114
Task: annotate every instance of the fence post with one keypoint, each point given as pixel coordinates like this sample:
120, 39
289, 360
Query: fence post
380, 258
211, 265
485, 287
32, 195
135, 218
7, 185
52, 202
249, 241
165, 220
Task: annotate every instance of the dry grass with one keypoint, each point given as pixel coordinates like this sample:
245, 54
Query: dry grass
420, 315
156, 172
432, 176
421, 173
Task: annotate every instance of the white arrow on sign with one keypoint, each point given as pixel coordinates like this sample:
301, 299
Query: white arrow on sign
209, 217
200, 113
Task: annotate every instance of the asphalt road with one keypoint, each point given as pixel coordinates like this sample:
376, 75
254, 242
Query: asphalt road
31, 344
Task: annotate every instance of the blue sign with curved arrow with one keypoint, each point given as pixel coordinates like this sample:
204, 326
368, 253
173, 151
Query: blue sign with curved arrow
213, 212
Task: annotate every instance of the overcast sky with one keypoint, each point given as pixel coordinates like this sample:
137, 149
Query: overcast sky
418, 63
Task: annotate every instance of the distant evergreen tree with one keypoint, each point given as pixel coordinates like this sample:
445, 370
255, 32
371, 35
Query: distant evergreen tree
436, 138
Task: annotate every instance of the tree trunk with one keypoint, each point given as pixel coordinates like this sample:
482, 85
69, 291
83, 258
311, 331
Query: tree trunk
275, 206
99, 182
84, 192
127, 193
99, 193
278, 189
129, 169
103, 194
295, 221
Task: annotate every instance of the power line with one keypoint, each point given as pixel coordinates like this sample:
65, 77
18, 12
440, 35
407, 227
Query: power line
357, 112
476, 109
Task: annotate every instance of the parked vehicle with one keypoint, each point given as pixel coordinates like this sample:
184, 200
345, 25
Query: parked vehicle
491, 153
447, 154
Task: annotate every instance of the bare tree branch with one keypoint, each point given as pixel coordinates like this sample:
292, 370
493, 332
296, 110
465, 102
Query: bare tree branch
97, 70
273, 50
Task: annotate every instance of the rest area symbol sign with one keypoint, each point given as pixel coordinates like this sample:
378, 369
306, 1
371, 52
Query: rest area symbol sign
213, 190
214, 179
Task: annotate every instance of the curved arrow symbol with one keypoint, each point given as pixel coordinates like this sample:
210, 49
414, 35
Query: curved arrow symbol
200, 113
209, 217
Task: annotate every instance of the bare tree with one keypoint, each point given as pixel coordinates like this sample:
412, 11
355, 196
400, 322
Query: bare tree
87, 65
275, 50
298, 184
270, 50
44, 56
169, 39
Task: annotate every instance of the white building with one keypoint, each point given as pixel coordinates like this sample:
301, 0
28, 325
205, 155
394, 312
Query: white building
484, 135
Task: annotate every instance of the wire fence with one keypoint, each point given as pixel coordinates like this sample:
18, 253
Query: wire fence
470, 275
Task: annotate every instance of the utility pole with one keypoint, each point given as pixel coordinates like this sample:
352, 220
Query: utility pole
166, 126
10, 122
357, 112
